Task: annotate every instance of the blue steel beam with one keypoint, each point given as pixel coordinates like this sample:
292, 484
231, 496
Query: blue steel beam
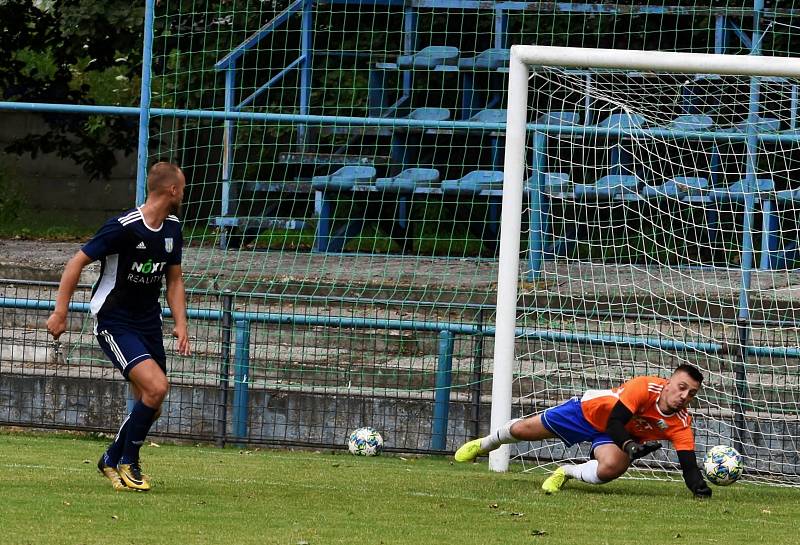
241, 378
444, 378
258, 35
219, 115
536, 216
631, 341
144, 104
611, 8
571, 7
741, 34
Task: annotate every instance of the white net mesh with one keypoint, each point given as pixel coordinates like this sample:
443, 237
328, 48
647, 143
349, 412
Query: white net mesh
668, 235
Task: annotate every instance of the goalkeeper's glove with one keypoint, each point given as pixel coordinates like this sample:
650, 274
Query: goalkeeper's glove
702, 490
636, 450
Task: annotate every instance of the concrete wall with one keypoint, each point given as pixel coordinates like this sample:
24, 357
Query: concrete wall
60, 187
196, 412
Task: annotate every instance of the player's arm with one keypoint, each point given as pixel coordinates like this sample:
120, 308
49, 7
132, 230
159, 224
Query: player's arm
176, 299
691, 474
619, 417
57, 322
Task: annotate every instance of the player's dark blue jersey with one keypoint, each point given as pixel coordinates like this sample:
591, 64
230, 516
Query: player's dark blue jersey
134, 259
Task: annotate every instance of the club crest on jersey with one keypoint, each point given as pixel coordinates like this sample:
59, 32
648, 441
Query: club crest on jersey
661, 424
168, 244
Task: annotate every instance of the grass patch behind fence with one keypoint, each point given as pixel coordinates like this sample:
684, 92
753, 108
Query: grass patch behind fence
52, 493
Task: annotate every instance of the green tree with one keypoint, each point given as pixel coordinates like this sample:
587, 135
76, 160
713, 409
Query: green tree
65, 52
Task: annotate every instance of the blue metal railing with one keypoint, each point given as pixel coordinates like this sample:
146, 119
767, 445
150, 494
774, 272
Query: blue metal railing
144, 103
324, 120
242, 323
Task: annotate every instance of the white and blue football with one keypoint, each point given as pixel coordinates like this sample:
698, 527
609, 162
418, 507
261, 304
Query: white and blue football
723, 465
365, 442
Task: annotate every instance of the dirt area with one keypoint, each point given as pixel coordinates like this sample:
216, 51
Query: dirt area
442, 281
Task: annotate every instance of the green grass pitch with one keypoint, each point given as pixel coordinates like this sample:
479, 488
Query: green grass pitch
50, 492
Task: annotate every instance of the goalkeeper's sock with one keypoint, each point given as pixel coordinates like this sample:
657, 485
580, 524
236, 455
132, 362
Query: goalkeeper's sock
500, 436
586, 472
141, 418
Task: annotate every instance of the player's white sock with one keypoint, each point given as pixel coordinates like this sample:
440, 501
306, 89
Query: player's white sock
586, 472
500, 436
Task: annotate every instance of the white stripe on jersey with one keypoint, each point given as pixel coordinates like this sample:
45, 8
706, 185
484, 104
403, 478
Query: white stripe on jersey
131, 213
655, 388
107, 283
132, 219
133, 216
173, 218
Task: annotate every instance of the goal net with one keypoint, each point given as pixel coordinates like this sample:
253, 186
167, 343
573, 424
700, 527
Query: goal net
650, 220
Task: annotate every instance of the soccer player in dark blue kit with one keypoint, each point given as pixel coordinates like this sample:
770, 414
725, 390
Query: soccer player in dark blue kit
137, 250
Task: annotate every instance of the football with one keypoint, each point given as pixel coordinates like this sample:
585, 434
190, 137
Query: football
723, 465
365, 442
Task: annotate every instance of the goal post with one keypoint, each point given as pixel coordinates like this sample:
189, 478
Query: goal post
733, 345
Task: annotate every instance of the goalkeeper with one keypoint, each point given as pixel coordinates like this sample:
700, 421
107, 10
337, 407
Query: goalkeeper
622, 424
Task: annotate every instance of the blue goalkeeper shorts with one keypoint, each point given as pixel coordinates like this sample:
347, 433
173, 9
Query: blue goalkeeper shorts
566, 421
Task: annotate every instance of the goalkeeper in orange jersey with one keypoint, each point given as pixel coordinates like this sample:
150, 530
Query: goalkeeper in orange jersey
622, 424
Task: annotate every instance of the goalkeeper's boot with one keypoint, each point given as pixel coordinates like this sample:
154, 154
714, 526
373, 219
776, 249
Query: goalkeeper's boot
110, 473
555, 482
469, 451
132, 477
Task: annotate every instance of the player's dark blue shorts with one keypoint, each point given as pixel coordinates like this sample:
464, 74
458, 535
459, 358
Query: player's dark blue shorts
126, 347
566, 421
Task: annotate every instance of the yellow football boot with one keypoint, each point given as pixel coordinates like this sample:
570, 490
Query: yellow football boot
111, 474
554, 483
469, 451
131, 475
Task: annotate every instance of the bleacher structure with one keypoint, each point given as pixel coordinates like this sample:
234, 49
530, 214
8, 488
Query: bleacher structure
337, 172
397, 125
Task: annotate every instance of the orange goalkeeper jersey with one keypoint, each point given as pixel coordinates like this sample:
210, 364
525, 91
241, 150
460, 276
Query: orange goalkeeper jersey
640, 395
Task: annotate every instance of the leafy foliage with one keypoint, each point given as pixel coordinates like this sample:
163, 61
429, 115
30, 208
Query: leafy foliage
66, 52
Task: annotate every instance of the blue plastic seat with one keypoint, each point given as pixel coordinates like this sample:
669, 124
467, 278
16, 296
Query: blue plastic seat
559, 118
676, 188
346, 178
762, 124
788, 195
623, 121
430, 57
475, 182
429, 114
607, 187
691, 123
554, 183
735, 192
490, 115
490, 59
409, 180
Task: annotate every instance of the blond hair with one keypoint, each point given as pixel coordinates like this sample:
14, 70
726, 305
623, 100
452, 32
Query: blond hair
162, 175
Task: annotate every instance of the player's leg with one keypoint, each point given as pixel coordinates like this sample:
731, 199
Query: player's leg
608, 462
111, 456
121, 347
513, 431
151, 383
